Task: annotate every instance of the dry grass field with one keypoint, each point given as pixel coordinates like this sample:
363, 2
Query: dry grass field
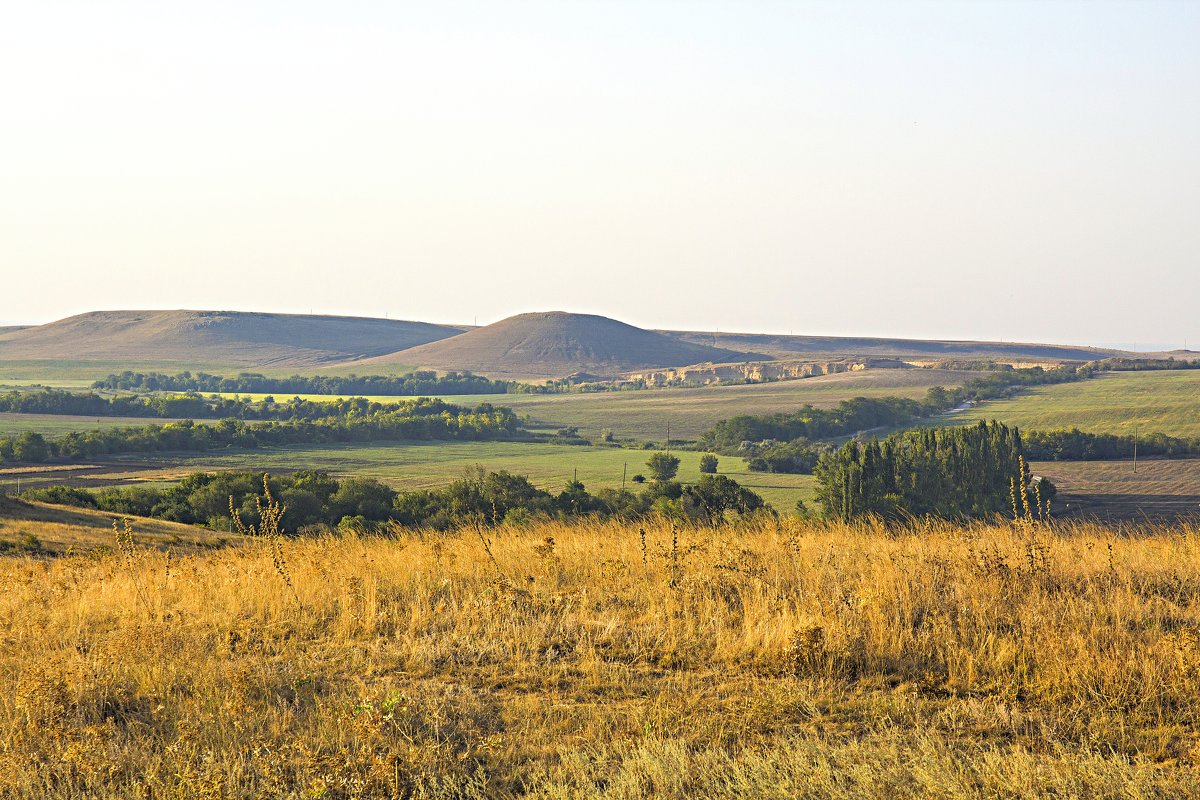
611, 661
38, 529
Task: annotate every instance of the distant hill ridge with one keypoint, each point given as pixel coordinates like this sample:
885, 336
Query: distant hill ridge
830, 346
531, 346
249, 339
553, 344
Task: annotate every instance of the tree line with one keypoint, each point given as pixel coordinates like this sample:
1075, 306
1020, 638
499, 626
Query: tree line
413, 383
190, 406
1126, 364
1076, 445
420, 419
311, 498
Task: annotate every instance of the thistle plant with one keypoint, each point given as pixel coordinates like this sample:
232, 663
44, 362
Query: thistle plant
270, 528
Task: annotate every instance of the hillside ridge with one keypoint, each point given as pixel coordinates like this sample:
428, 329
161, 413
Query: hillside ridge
791, 346
237, 338
556, 344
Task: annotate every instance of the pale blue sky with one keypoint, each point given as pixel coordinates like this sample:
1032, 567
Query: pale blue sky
1010, 170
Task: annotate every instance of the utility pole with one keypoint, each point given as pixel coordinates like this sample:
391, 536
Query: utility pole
624, 472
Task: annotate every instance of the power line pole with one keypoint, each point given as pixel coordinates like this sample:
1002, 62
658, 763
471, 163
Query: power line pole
624, 472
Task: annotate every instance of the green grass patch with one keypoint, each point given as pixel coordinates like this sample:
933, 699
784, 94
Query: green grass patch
54, 424
1163, 402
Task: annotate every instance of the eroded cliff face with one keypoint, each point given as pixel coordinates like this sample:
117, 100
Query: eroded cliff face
759, 371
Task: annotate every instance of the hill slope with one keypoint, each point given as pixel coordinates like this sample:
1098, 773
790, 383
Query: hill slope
216, 337
828, 346
28, 528
555, 344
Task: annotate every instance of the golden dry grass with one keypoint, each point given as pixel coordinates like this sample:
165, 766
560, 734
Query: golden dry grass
44, 529
590, 661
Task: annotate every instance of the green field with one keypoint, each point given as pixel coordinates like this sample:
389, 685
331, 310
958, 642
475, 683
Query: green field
423, 465
1162, 402
55, 424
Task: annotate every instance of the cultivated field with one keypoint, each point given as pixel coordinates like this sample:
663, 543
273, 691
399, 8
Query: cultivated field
1159, 489
599, 662
1163, 402
643, 414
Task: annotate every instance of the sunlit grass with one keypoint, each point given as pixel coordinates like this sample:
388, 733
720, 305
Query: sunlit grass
600, 661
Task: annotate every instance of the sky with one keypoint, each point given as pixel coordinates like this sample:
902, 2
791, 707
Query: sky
971, 170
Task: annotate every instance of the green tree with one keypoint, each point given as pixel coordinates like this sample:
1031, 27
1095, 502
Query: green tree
663, 467
708, 464
31, 447
713, 495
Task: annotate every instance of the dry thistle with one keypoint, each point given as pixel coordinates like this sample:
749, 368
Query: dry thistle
270, 527
129, 553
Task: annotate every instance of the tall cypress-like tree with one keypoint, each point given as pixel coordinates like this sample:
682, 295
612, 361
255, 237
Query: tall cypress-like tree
951, 473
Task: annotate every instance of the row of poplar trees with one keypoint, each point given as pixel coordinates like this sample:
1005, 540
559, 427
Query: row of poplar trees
952, 473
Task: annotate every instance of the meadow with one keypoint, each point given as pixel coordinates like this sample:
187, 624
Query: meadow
610, 661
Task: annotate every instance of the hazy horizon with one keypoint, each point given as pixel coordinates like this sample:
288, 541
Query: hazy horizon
979, 171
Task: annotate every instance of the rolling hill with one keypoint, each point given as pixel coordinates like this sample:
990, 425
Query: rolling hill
839, 346
39, 529
556, 344
238, 339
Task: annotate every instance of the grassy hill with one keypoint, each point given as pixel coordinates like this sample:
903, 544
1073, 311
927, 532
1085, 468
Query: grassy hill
236, 339
556, 344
